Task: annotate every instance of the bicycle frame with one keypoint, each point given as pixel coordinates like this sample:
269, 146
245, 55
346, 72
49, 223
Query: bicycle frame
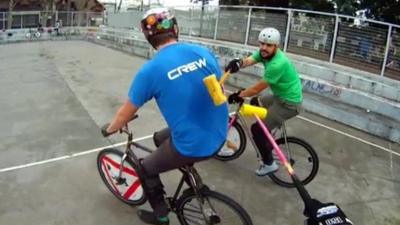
299, 186
238, 116
189, 173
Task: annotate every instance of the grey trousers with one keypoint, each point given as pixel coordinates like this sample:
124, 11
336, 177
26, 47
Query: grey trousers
165, 158
278, 112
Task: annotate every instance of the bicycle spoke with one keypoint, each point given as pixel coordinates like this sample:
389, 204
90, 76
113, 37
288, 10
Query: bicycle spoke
195, 216
132, 189
110, 178
192, 210
301, 157
193, 206
124, 184
117, 165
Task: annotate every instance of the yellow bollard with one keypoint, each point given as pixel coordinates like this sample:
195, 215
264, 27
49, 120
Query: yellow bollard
214, 89
250, 110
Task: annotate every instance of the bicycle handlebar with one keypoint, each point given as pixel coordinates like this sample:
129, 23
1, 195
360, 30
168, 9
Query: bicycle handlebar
125, 128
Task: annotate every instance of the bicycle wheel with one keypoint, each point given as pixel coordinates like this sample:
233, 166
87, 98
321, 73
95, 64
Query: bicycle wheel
303, 159
128, 188
235, 144
216, 209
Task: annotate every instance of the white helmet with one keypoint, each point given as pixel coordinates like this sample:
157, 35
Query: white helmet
270, 35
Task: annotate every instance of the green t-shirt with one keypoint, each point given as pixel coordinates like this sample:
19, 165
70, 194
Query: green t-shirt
282, 77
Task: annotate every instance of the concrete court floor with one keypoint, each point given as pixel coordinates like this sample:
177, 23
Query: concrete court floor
54, 96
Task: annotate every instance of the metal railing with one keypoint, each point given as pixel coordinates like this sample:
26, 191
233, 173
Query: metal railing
368, 45
34, 19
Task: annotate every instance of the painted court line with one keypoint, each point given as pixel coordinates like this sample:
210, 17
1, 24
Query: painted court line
349, 135
343, 133
69, 156
149, 136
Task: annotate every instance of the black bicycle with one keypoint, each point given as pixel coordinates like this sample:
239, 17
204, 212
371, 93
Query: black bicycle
299, 153
196, 205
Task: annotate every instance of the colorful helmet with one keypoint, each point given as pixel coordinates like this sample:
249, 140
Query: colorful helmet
159, 22
270, 35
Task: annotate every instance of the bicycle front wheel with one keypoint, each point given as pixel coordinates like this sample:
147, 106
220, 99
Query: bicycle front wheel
127, 187
215, 208
235, 144
301, 156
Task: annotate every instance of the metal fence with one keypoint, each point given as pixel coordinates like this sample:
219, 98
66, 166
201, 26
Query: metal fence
367, 45
35, 19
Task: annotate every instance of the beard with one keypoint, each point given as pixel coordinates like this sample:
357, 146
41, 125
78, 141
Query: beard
268, 56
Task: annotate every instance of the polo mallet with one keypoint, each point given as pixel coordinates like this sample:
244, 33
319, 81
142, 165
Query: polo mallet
317, 213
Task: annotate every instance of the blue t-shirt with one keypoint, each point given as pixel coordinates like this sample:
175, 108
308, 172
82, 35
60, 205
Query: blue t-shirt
174, 77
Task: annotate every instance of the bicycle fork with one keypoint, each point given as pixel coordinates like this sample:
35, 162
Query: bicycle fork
248, 134
209, 214
119, 178
288, 152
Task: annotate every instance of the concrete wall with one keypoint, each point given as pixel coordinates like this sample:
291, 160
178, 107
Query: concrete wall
365, 101
347, 95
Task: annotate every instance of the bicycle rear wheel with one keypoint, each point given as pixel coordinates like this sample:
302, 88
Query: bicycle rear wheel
216, 208
301, 156
127, 188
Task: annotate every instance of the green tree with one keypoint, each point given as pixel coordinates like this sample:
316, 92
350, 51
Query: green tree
346, 7
270, 3
315, 5
387, 10
230, 2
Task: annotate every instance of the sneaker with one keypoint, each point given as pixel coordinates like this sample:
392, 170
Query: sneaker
267, 169
226, 152
150, 218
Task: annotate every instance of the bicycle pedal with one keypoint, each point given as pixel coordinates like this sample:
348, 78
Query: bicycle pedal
215, 219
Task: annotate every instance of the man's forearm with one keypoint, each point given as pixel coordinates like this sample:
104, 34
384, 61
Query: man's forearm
118, 122
249, 92
122, 117
248, 61
254, 90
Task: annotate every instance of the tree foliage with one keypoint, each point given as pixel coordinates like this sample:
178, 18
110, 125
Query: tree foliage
384, 10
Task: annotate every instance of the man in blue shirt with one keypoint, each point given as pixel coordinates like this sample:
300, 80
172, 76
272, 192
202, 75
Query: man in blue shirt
174, 77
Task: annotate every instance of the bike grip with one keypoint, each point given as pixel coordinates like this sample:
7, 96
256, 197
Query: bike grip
214, 89
134, 117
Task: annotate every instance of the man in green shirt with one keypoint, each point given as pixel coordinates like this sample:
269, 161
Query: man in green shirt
281, 76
